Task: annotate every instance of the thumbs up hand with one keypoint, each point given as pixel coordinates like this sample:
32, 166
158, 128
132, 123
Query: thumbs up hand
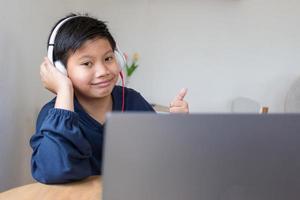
178, 105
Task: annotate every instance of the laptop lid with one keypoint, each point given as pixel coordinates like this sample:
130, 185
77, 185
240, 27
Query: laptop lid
201, 156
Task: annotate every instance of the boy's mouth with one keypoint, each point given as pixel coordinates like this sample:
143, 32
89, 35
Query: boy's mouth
102, 84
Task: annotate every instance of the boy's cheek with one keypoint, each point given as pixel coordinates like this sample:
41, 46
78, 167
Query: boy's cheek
80, 81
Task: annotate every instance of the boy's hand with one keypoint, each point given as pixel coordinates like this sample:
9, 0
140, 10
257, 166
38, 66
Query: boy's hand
178, 105
53, 79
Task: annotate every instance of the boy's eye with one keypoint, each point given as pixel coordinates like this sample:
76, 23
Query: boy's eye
88, 64
109, 58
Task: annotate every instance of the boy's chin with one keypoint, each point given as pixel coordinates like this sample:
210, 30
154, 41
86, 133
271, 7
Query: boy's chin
95, 94
102, 94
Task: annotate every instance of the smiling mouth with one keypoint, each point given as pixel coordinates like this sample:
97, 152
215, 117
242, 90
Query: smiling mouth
102, 84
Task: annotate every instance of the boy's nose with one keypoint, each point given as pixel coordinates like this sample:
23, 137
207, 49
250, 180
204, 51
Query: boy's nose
101, 70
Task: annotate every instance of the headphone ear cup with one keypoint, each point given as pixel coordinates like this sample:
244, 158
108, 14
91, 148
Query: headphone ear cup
60, 67
120, 59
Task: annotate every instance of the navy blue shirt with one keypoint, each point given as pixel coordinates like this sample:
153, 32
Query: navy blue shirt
67, 146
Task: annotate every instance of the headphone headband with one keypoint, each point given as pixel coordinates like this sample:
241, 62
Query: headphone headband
119, 55
53, 36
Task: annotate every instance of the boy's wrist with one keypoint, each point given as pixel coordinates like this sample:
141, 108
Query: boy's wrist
65, 89
64, 98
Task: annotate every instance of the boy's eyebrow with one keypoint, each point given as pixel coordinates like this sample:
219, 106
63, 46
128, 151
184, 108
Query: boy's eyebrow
85, 56
89, 56
109, 51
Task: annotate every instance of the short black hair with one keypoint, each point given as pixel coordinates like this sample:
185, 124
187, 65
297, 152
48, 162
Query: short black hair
75, 32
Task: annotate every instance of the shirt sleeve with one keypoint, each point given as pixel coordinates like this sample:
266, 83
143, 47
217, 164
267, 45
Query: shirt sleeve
60, 151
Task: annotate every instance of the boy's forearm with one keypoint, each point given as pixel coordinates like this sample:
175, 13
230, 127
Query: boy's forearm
64, 99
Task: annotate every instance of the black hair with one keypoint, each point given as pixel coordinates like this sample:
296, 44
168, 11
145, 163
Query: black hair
75, 32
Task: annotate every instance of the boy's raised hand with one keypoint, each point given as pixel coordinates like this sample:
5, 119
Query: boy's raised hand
178, 105
53, 79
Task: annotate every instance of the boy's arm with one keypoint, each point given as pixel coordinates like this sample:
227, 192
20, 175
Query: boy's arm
60, 151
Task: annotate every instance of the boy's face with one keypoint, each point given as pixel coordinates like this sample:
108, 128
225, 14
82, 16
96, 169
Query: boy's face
93, 69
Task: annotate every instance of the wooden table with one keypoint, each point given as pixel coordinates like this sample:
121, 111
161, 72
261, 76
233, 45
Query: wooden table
87, 189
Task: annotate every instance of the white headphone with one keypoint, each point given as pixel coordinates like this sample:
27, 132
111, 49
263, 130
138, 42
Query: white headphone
60, 66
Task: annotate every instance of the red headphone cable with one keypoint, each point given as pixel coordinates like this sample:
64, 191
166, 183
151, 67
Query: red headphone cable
123, 91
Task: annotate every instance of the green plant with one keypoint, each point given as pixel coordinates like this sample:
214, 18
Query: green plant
130, 68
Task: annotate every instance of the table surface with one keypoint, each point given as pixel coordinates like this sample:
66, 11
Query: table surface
87, 189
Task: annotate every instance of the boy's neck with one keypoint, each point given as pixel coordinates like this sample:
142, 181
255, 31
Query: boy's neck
96, 108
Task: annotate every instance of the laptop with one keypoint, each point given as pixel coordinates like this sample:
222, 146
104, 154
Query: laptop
201, 156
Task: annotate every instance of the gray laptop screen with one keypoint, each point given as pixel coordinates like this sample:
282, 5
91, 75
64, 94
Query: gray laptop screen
202, 156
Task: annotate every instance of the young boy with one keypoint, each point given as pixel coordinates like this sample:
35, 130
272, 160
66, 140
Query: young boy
67, 144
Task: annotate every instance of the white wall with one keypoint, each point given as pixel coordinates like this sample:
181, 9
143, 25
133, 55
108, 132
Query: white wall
219, 49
